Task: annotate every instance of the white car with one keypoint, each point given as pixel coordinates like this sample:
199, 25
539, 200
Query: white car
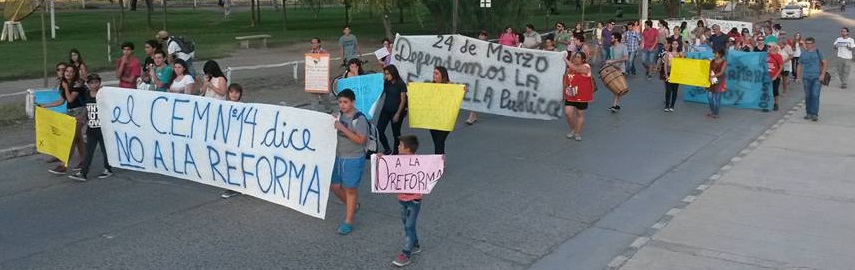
792, 12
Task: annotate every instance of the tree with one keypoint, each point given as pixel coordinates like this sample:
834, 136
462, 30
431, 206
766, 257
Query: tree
385, 7
502, 13
672, 7
314, 6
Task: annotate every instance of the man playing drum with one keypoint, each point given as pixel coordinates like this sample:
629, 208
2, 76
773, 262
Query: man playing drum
617, 58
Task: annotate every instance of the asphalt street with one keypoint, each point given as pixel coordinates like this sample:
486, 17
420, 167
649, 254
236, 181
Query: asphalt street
516, 195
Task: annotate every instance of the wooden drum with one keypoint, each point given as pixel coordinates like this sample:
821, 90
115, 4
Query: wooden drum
613, 79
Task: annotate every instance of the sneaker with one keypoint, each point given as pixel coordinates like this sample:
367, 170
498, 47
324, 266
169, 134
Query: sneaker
671, 109
401, 261
105, 174
612, 109
807, 117
667, 110
229, 193
843, 86
416, 250
814, 118
578, 137
345, 229
571, 135
617, 108
59, 170
77, 169
78, 176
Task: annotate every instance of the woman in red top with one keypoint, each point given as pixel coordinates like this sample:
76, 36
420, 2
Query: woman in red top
578, 92
718, 66
509, 38
775, 62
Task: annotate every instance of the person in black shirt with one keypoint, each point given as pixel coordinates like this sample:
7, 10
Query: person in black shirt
93, 131
394, 108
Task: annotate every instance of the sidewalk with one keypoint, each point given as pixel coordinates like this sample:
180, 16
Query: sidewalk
787, 202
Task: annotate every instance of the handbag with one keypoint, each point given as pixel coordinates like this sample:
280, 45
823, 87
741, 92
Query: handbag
826, 80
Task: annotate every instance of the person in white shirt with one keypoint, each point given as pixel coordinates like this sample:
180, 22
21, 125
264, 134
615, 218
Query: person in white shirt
532, 39
844, 45
182, 82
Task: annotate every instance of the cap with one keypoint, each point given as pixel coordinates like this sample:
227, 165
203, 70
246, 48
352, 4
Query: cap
93, 76
162, 35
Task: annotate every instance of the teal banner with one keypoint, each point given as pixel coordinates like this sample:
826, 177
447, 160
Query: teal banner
747, 81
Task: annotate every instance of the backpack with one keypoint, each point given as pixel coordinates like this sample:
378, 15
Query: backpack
370, 146
187, 45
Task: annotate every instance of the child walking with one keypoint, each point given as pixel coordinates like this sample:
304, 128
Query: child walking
93, 131
410, 206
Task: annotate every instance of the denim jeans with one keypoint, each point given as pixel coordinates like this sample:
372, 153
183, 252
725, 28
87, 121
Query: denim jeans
715, 101
409, 214
811, 96
605, 52
630, 65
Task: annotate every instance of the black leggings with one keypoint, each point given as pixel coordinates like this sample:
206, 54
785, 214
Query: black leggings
795, 65
775, 85
439, 137
382, 122
93, 139
671, 94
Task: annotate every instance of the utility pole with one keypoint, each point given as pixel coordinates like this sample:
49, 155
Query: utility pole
454, 17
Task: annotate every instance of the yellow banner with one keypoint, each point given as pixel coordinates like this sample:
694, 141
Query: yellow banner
692, 72
54, 133
434, 105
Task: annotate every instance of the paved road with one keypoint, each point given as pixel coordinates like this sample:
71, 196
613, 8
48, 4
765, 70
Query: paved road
516, 195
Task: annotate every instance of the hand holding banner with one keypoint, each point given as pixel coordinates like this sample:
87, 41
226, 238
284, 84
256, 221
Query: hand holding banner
317, 73
692, 72
367, 89
54, 133
434, 105
405, 173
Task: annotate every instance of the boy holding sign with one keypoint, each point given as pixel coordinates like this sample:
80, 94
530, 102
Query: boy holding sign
410, 206
352, 128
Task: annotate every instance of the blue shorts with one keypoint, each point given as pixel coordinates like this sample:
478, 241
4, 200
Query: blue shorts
348, 171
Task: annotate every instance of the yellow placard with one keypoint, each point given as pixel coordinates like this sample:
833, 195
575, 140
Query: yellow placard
694, 72
434, 105
54, 133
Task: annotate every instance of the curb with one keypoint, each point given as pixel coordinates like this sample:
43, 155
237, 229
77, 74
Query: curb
17, 151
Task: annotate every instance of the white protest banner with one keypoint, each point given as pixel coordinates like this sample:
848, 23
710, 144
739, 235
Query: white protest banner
278, 154
405, 173
501, 80
691, 24
318, 73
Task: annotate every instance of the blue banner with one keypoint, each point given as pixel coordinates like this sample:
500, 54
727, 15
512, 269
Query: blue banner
367, 88
747, 81
44, 96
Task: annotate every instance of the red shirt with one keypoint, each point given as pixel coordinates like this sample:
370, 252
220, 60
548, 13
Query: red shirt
408, 197
132, 67
583, 86
649, 38
775, 62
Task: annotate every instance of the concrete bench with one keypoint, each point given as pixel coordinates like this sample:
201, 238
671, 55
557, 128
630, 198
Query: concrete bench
244, 40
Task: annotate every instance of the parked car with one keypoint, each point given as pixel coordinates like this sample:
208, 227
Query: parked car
792, 12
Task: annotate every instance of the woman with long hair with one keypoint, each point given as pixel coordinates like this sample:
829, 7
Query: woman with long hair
75, 59
578, 92
718, 67
440, 75
672, 50
214, 85
394, 108
182, 81
71, 89
578, 32
354, 68
798, 44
